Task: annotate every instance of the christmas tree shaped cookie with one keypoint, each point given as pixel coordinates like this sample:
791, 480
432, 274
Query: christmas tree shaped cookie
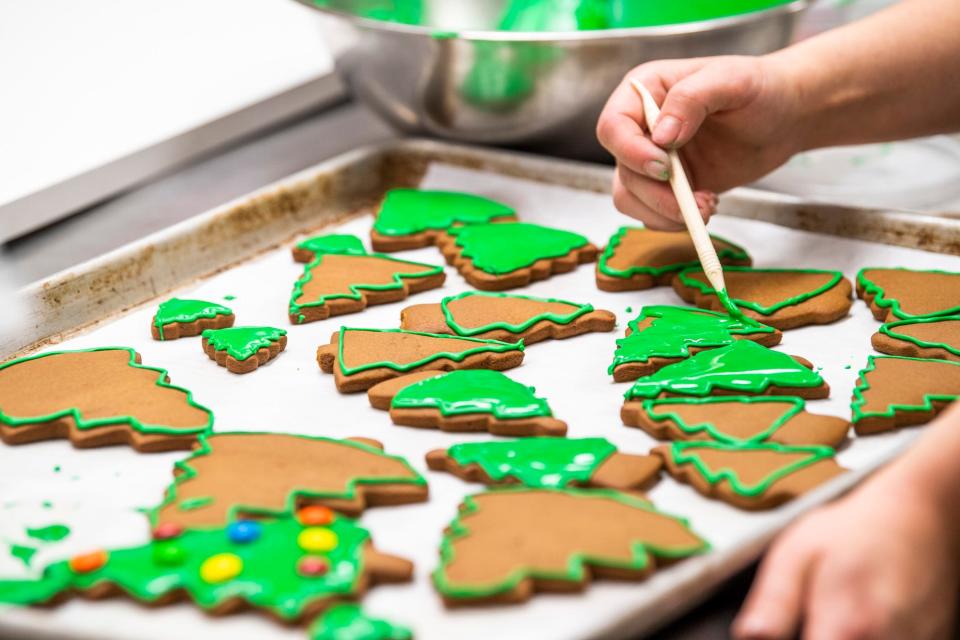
640, 258
349, 622
782, 298
663, 335
548, 462
505, 545
243, 349
506, 316
97, 397
469, 400
751, 476
495, 257
342, 243
937, 338
736, 419
180, 318
282, 472
292, 568
896, 392
413, 218
743, 368
361, 358
907, 294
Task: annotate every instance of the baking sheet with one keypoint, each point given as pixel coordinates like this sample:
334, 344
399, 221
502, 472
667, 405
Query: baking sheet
291, 394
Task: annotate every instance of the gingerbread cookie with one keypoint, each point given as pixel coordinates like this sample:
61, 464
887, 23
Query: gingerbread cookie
243, 349
349, 622
750, 476
342, 243
292, 568
507, 544
782, 298
937, 338
495, 257
893, 392
548, 462
97, 397
663, 335
743, 368
361, 358
506, 316
640, 258
282, 472
337, 283
178, 318
470, 400
414, 218
735, 420
908, 294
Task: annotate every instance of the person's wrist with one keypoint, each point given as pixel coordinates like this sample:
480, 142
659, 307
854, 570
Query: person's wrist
788, 85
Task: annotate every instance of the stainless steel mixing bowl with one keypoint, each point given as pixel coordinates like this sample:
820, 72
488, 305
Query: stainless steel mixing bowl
459, 78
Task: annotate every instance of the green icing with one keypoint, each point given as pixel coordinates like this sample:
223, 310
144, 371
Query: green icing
186, 311
674, 330
333, 243
729, 252
880, 298
686, 453
536, 462
473, 391
488, 346
269, 578
348, 622
659, 411
229, 297
863, 386
504, 247
410, 211
565, 318
890, 329
50, 533
192, 504
686, 279
83, 423
743, 367
23, 553
241, 343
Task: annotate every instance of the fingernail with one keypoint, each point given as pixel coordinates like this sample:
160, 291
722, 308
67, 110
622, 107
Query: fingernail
667, 131
657, 170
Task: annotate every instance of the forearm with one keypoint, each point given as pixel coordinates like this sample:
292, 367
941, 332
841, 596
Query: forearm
893, 75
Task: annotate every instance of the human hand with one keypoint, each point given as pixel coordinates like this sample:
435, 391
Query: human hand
743, 110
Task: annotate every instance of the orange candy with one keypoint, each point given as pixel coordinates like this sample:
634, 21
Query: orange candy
87, 562
315, 515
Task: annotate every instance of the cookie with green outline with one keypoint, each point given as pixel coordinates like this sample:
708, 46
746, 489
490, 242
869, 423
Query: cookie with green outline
308, 249
182, 318
736, 419
360, 358
349, 622
506, 316
663, 335
337, 283
548, 462
245, 475
243, 349
467, 400
414, 218
908, 294
97, 397
752, 476
508, 544
893, 391
936, 338
782, 298
639, 258
292, 568
496, 257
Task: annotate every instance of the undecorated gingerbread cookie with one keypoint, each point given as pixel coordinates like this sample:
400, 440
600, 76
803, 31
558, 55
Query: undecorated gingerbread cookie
640, 258
469, 400
308, 249
97, 397
893, 392
937, 338
663, 335
495, 257
507, 544
361, 358
750, 476
907, 294
243, 349
506, 316
180, 318
782, 298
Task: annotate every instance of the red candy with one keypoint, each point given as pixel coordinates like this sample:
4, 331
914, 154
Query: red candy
87, 562
167, 530
312, 566
315, 515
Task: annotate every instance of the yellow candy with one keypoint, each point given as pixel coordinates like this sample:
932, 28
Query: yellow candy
221, 567
317, 539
